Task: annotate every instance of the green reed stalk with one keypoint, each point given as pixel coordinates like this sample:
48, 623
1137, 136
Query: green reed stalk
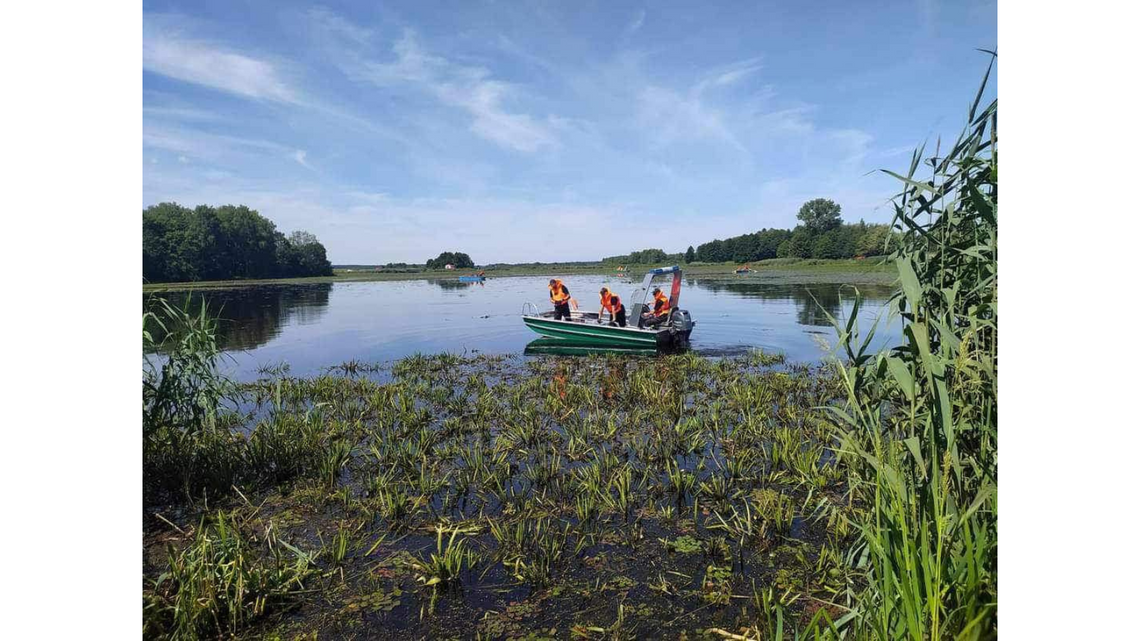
919, 428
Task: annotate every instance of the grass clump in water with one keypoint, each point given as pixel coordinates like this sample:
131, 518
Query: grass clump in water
222, 581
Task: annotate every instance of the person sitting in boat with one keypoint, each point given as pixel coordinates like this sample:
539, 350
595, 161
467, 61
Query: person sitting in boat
612, 304
560, 296
660, 311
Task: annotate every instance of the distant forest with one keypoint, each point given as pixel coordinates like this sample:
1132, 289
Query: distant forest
821, 234
223, 243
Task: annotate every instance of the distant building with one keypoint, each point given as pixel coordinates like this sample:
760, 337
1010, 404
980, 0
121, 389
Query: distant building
449, 266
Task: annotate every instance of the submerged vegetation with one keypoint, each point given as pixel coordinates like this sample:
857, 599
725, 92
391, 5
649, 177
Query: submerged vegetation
635, 496
601, 496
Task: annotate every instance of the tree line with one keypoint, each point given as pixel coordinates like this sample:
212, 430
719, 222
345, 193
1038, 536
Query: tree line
643, 257
459, 260
223, 243
820, 234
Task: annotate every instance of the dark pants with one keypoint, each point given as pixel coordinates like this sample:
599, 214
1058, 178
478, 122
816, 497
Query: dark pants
654, 321
620, 317
562, 311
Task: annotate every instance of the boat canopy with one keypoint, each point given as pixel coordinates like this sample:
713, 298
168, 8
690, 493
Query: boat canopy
641, 294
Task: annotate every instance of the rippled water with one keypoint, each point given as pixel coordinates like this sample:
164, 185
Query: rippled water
311, 327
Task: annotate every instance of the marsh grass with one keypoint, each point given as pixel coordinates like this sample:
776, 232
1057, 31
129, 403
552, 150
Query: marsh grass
618, 454
223, 579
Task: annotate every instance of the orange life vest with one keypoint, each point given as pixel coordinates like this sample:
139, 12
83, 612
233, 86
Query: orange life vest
661, 305
611, 303
558, 293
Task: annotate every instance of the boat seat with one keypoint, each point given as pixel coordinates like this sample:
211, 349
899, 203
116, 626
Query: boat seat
639, 309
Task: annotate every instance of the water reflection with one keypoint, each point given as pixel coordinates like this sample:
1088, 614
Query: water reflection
561, 348
312, 327
451, 284
250, 317
813, 302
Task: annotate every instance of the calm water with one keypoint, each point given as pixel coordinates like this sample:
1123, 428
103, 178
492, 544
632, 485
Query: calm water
311, 327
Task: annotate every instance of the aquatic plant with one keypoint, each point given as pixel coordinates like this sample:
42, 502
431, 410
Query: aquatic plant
443, 567
347, 459
222, 580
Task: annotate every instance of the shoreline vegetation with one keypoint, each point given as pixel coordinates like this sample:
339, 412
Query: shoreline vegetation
601, 497
869, 271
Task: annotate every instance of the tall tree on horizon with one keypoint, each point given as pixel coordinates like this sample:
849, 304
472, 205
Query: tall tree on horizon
820, 215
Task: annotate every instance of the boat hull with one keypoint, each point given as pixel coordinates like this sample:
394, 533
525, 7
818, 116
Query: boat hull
603, 335
471, 279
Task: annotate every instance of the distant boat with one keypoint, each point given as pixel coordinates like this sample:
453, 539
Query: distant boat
747, 269
472, 279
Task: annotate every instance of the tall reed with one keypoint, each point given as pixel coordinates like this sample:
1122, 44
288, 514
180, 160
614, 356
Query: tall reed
919, 427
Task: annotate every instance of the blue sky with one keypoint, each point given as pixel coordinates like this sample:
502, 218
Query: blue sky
520, 131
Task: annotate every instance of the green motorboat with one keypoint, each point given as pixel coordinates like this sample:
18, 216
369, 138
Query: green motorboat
587, 328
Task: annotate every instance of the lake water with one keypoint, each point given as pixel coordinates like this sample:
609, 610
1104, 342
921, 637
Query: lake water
312, 327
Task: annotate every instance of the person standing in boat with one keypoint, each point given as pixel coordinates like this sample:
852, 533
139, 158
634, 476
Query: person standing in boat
560, 296
612, 304
660, 311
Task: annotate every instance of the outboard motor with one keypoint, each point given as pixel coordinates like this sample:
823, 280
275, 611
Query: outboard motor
681, 322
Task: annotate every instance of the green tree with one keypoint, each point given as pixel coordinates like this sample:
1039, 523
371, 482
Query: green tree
829, 244
820, 215
873, 241
690, 254
249, 243
232, 241
458, 259
801, 243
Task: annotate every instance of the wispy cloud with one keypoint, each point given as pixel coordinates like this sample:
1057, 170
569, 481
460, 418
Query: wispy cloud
189, 143
169, 51
731, 74
469, 88
675, 116
392, 132
635, 25
330, 24
179, 113
299, 156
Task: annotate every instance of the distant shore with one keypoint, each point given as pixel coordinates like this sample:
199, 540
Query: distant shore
870, 271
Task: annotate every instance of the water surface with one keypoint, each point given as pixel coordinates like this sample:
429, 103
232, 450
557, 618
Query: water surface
312, 327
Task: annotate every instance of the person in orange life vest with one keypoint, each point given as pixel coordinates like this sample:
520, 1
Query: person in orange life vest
560, 296
612, 304
660, 312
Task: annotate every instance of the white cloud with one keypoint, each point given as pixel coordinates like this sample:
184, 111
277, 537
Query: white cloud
730, 74
168, 51
205, 146
183, 159
179, 113
672, 116
333, 25
471, 89
299, 156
